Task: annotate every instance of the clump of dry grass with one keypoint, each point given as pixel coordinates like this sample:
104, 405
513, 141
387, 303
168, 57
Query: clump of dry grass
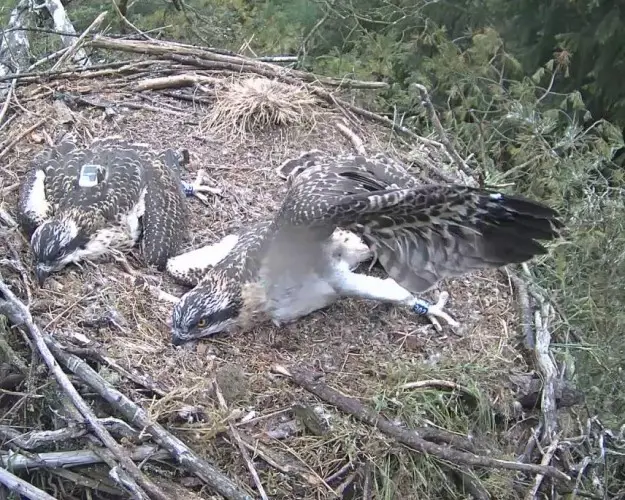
257, 103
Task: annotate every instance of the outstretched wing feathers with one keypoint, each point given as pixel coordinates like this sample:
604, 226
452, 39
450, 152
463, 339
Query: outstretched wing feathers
420, 234
425, 234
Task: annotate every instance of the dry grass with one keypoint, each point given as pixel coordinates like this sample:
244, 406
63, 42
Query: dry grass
253, 104
366, 350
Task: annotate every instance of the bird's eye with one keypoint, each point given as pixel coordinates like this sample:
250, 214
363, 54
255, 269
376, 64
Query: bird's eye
201, 323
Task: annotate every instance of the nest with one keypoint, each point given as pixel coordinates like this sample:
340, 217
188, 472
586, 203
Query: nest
301, 445
250, 104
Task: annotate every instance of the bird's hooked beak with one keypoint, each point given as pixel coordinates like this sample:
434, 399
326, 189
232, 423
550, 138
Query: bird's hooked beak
42, 274
177, 340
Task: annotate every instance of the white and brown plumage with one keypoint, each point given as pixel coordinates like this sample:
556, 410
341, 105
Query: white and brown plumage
135, 195
339, 212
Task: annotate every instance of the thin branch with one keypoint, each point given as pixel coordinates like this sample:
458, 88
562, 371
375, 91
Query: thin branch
20, 136
127, 22
353, 138
526, 311
441, 131
549, 452
21, 487
9, 94
237, 438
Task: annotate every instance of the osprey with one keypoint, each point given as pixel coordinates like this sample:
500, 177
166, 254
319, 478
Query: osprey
83, 204
337, 213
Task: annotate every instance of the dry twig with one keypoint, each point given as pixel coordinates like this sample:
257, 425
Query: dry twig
75, 458
237, 438
353, 138
79, 41
548, 455
462, 165
7, 149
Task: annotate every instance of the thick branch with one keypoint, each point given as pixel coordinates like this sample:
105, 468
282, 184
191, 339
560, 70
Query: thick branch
74, 48
66, 459
415, 440
21, 487
167, 49
64, 25
14, 45
36, 439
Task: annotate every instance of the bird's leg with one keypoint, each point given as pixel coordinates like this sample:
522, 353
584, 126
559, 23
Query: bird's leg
197, 187
351, 284
121, 259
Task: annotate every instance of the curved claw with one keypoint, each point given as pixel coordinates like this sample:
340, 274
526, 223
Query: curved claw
434, 311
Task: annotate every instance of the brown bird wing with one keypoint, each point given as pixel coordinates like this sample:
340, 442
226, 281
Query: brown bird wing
420, 234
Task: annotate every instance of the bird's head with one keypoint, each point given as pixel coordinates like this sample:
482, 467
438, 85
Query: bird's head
212, 307
56, 243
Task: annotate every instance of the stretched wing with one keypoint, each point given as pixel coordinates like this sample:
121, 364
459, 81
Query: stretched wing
420, 234
166, 216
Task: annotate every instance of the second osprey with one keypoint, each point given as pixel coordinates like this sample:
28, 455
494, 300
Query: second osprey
81, 204
339, 212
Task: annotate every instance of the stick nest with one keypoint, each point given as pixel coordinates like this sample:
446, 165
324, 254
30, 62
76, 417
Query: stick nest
255, 103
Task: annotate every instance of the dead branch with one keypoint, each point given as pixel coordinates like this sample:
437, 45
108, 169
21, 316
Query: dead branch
277, 461
176, 81
548, 455
63, 25
121, 11
415, 440
21, 487
462, 165
7, 100
14, 45
36, 439
93, 71
76, 44
240, 63
439, 384
140, 419
526, 311
77, 458
20, 315
548, 370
